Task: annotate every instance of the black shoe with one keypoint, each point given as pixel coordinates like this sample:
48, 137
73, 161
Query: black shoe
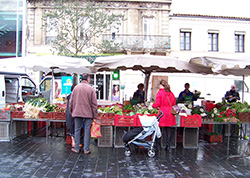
167, 148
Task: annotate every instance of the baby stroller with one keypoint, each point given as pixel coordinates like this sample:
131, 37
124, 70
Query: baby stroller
137, 136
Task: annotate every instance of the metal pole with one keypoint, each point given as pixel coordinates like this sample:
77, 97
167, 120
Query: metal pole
104, 85
24, 29
17, 28
243, 88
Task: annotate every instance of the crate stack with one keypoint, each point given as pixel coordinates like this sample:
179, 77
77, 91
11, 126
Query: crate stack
191, 125
5, 120
107, 121
122, 125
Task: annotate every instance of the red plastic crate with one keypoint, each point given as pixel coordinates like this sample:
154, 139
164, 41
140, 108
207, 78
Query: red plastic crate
209, 106
17, 114
244, 116
4, 115
106, 115
106, 121
213, 138
191, 121
46, 115
59, 115
103, 106
106, 118
126, 121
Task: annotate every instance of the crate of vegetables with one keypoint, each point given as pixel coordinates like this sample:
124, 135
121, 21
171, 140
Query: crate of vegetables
17, 114
4, 115
125, 121
106, 118
128, 108
244, 116
213, 138
59, 115
191, 120
46, 115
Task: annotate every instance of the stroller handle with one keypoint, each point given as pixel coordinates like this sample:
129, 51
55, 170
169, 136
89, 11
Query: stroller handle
159, 116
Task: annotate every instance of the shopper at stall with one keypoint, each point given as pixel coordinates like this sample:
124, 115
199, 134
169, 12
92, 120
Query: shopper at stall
70, 120
83, 108
232, 95
139, 93
186, 96
165, 99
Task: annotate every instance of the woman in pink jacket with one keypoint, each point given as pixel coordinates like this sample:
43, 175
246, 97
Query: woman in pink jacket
165, 99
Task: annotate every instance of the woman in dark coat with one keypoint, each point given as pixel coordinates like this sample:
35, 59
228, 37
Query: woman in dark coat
70, 120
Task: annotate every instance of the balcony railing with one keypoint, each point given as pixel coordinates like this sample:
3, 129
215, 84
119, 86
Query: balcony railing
140, 42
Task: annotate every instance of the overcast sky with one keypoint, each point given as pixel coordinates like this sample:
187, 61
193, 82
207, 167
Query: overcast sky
238, 8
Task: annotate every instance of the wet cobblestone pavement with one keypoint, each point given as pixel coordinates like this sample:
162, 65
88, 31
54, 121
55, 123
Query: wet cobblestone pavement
33, 157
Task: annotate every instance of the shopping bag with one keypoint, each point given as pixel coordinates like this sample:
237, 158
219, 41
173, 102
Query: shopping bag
173, 111
95, 130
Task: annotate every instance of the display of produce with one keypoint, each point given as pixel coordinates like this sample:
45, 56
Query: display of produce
33, 107
37, 108
223, 112
111, 109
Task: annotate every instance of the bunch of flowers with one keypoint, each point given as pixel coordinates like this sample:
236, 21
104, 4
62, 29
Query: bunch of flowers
199, 110
215, 115
229, 113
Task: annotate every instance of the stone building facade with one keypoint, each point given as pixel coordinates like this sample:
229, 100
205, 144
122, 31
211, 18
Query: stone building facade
146, 28
210, 35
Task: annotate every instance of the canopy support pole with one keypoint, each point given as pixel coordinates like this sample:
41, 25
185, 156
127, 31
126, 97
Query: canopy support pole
243, 84
146, 82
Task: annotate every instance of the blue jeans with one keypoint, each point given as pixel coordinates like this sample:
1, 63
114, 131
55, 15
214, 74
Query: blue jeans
78, 127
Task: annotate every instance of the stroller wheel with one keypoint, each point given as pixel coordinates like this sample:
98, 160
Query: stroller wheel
127, 153
151, 153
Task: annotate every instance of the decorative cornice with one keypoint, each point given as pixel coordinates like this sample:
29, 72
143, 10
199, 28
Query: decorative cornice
210, 17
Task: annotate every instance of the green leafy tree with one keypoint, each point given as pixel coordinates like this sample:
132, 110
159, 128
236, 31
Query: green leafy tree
109, 46
79, 24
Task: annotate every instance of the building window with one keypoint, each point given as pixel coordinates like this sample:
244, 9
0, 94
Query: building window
148, 32
51, 30
185, 40
239, 43
148, 27
213, 41
116, 28
84, 26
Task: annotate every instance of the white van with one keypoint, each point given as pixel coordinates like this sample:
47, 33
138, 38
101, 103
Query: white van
16, 87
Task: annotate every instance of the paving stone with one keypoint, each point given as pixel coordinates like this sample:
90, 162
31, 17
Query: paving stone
33, 157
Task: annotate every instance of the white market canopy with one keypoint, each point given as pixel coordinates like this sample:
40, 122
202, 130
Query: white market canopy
47, 63
237, 65
148, 64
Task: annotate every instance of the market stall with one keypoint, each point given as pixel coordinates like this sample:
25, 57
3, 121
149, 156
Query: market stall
117, 118
148, 64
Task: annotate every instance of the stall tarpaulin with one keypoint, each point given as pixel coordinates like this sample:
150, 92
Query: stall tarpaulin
237, 65
148, 64
48, 63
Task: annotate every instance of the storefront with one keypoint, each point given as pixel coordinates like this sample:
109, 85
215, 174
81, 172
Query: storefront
12, 26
